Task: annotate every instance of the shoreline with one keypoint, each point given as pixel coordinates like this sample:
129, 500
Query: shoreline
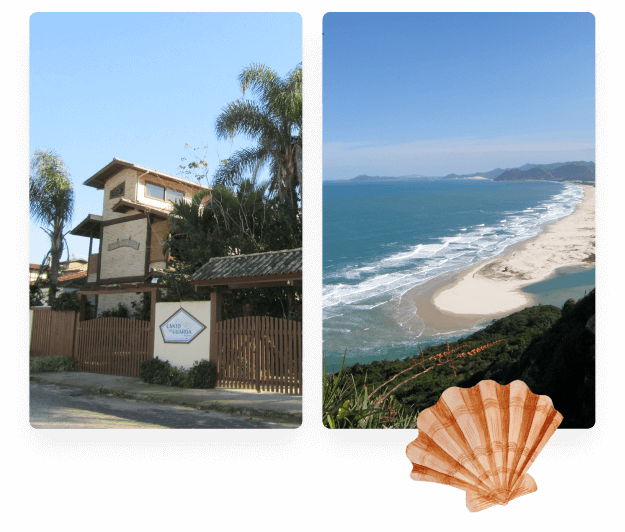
492, 288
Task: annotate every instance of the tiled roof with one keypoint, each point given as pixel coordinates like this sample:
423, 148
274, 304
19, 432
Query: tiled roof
71, 278
268, 263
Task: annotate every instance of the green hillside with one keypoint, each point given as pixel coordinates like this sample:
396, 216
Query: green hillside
550, 349
577, 172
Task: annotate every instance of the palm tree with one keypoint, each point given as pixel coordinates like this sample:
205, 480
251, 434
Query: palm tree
51, 204
274, 121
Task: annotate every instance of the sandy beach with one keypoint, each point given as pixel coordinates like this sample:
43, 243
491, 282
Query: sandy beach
489, 290
492, 288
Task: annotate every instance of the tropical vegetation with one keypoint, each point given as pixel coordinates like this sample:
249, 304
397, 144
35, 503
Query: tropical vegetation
225, 222
273, 120
51, 204
240, 215
550, 349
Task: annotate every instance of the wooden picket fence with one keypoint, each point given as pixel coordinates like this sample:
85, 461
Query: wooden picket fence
255, 352
52, 332
112, 346
261, 353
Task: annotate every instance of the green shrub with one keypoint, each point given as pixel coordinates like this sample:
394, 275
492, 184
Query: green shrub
36, 296
157, 371
568, 306
70, 301
51, 364
120, 311
203, 375
142, 309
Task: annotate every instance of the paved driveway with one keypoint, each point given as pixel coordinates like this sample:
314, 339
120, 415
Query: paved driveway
53, 406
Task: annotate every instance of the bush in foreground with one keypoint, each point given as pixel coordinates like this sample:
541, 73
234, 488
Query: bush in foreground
70, 301
350, 405
51, 364
202, 375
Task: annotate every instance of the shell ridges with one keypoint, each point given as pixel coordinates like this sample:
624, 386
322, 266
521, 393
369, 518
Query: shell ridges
483, 440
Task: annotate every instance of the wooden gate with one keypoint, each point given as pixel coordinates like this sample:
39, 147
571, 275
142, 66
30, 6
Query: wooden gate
52, 332
259, 352
113, 346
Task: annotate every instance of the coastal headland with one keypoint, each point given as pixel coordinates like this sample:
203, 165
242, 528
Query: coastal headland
492, 289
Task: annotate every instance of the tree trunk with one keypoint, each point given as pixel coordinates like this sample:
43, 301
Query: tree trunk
56, 251
299, 167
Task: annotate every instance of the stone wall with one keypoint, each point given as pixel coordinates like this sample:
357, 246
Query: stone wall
123, 261
127, 176
110, 301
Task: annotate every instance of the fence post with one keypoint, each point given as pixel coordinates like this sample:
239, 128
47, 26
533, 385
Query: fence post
154, 299
74, 333
255, 323
79, 318
213, 355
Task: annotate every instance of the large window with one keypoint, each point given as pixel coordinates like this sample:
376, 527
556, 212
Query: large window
154, 191
162, 193
174, 196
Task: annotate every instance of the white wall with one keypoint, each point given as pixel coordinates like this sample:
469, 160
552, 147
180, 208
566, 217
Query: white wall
183, 355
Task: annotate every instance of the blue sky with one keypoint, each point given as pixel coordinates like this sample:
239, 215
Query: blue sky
138, 86
436, 93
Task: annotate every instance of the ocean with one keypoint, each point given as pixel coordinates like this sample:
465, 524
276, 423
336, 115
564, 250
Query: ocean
382, 239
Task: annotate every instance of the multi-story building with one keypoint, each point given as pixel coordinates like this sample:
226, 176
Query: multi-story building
34, 273
133, 225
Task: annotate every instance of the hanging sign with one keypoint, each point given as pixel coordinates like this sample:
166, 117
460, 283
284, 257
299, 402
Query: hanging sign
181, 328
128, 242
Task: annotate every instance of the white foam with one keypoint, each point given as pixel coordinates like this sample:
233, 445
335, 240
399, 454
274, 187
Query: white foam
367, 294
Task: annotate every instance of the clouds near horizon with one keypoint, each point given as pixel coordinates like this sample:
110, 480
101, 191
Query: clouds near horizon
439, 157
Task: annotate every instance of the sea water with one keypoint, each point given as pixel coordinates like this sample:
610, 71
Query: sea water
382, 239
568, 283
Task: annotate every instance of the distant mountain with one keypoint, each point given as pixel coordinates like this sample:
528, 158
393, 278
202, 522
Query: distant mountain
577, 171
364, 177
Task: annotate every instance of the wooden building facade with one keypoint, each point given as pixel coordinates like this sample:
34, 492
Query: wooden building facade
132, 228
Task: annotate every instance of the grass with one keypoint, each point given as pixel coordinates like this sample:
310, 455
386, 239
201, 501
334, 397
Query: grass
346, 405
51, 364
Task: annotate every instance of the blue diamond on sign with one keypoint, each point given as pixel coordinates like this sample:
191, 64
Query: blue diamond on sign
181, 328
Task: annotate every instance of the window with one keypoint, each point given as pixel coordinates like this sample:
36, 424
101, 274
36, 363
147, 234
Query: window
118, 190
163, 194
174, 196
154, 191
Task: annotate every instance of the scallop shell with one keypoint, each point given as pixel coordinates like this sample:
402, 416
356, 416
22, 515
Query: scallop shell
483, 440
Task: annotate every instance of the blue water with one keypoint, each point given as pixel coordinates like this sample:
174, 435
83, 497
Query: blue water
382, 239
569, 283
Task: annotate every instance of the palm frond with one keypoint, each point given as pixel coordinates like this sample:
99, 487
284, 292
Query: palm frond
246, 118
230, 172
50, 188
274, 121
